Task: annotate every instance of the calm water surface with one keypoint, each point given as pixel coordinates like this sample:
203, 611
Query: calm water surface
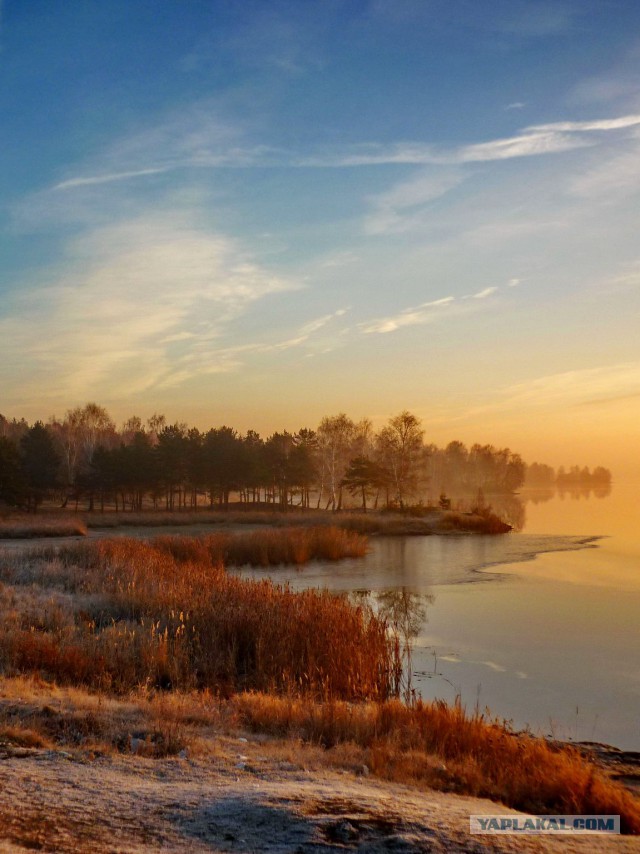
541, 627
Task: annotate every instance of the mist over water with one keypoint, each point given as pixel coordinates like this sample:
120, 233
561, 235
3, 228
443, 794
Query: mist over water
541, 626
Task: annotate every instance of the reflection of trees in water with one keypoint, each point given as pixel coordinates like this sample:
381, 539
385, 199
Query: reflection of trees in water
405, 613
538, 495
577, 491
512, 508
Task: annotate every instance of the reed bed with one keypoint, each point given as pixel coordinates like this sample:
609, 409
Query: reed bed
131, 618
443, 747
185, 518
124, 613
267, 547
485, 522
29, 527
358, 522
431, 521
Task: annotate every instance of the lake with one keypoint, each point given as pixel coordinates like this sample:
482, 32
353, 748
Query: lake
542, 627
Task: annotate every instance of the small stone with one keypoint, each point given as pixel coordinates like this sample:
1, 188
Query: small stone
342, 831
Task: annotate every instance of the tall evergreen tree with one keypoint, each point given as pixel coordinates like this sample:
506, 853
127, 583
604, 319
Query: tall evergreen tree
40, 464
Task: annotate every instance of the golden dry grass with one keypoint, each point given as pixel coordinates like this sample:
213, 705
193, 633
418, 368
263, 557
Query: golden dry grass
443, 747
31, 526
115, 614
484, 522
266, 547
38, 714
431, 746
361, 523
132, 619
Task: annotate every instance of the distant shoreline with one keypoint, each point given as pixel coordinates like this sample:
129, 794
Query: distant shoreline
430, 521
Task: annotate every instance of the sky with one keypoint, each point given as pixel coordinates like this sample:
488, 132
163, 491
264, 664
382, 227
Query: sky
261, 212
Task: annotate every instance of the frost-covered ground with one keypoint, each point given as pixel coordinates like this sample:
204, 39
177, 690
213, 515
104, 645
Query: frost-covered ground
243, 795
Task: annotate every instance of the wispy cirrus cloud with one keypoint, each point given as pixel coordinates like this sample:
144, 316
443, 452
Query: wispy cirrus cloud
145, 303
591, 386
597, 386
532, 141
196, 137
597, 125
486, 292
611, 178
424, 313
304, 334
107, 178
402, 207
605, 387
209, 354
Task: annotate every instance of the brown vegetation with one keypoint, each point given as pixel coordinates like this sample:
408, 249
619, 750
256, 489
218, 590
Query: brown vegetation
427, 745
116, 614
422, 522
268, 547
443, 747
171, 643
29, 527
475, 522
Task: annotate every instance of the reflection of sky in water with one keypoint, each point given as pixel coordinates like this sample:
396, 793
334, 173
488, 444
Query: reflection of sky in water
554, 643
419, 563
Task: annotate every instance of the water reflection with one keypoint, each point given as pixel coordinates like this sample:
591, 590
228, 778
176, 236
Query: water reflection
532, 641
512, 508
405, 614
541, 494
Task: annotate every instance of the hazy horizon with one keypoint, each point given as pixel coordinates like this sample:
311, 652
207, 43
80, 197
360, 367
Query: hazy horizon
262, 214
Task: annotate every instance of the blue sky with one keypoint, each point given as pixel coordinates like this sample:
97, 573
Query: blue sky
260, 213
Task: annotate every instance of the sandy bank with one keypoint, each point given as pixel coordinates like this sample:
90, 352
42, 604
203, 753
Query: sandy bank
245, 796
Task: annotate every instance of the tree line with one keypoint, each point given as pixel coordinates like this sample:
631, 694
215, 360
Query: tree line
84, 457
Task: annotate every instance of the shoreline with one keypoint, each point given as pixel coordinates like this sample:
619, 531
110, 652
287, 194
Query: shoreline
247, 795
228, 787
373, 523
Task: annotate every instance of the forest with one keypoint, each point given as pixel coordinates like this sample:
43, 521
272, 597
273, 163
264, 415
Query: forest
84, 457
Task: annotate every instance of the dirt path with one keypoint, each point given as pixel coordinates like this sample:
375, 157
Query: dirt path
238, 800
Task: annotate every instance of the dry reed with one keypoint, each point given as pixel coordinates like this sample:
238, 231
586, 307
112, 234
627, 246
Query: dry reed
168, 615
475, 522
272, 547
29, 527
443, 747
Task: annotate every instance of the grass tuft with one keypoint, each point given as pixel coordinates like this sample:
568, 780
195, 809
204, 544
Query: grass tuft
442, 747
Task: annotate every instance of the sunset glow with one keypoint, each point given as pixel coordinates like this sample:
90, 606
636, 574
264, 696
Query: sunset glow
259, 214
